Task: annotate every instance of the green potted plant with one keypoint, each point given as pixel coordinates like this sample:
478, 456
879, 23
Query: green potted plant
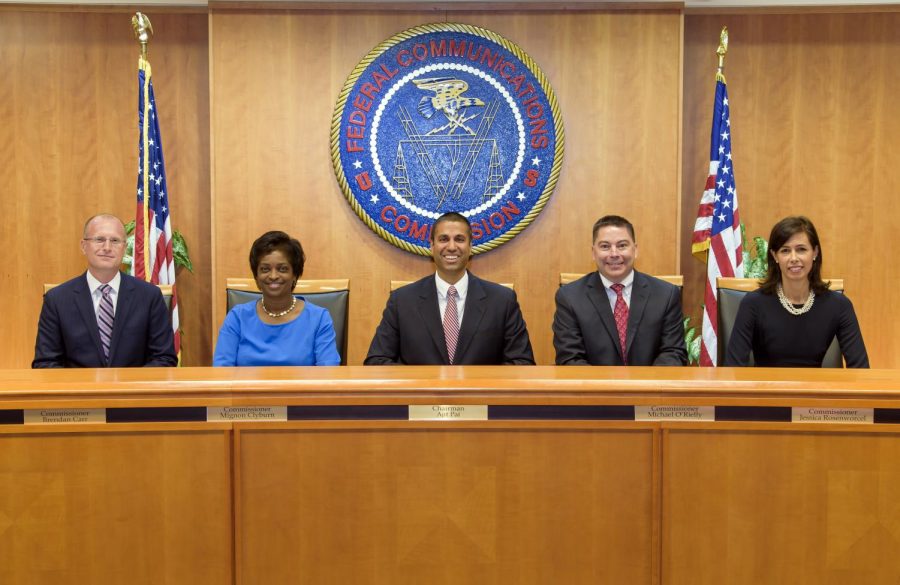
754, 267
179, 249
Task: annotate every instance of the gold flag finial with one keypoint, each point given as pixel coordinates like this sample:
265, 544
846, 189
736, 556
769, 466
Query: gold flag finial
143, 31
723, 48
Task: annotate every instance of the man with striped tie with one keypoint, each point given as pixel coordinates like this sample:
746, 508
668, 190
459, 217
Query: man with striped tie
451, 317
104, 318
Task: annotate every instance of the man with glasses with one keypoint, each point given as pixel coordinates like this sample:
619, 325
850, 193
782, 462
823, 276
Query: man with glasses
618, 316
104, 318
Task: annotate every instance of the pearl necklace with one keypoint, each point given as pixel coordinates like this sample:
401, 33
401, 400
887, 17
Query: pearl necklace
790, 308
280, 313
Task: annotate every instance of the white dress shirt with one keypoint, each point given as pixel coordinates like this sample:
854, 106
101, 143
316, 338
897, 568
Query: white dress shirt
462, 289
628, 281
94, 286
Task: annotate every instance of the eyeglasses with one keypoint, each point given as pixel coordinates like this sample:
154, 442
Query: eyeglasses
99, 241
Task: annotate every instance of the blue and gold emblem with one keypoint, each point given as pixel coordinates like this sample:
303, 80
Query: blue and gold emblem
447, 117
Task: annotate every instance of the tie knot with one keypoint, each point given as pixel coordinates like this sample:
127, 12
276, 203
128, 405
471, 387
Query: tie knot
617, 288
104, 289
451, 292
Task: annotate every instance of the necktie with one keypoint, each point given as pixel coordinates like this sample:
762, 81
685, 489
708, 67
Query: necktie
451, 323
621, 315
105, 319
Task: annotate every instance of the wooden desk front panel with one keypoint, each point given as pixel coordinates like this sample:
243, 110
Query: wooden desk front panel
781, 505
445, 504
90, 506
563, 497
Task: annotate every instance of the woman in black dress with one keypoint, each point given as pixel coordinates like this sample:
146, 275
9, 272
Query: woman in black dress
793, 317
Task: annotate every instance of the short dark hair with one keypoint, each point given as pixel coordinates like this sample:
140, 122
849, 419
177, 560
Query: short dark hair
271, 241
615, 221
451, 216
781, 233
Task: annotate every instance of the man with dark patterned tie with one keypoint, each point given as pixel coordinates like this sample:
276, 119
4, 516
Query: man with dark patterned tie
451, 317
617, 315
104, 318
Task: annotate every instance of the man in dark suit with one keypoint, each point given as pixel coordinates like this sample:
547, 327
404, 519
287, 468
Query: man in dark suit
452, 316
617, 315
104, 318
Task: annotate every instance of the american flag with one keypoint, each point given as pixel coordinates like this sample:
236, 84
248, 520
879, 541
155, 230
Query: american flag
153, 259
718, 225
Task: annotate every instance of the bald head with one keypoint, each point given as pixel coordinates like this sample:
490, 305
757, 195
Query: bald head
100, 217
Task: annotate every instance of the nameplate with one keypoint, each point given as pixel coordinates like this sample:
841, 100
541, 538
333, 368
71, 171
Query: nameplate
64, 416
674, 413
246, 413
832, 415
448, 412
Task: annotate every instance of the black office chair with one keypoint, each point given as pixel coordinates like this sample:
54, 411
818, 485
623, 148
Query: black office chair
332, 294
732, 291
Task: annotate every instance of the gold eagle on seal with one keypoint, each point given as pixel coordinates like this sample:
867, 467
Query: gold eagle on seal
448, 100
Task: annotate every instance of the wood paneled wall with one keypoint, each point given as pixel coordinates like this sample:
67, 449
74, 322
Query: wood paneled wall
246, 99
68, 150
275, 78
815, 124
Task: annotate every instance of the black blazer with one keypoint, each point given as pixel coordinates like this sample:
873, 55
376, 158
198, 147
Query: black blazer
411, 332
584, 329
68, 336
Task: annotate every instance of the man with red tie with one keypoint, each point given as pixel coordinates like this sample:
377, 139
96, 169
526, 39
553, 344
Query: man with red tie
617, 315
104, 318
451, 317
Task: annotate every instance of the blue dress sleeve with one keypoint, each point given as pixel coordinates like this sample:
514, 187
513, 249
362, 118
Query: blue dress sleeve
227, 344
325, 344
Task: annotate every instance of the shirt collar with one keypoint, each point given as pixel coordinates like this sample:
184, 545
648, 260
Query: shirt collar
94, 284
462, 286
626, 282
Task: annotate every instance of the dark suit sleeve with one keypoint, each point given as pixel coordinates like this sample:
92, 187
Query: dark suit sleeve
160, 339
567, 337
516, 344
385, 346
672, 350
49, 351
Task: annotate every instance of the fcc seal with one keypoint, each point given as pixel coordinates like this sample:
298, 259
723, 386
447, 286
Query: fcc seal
447, 117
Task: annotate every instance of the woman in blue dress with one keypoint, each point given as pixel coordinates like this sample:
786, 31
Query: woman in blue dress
280, 329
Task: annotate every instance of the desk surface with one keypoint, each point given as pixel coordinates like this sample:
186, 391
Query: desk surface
490, 383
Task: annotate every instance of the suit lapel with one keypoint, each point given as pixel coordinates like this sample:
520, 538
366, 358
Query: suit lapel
85, 305
476, 299
599, 298
639, 296
430, 314
124, 305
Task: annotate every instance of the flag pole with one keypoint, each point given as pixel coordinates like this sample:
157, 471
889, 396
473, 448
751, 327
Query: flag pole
723, 48
717, 240
143, 32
